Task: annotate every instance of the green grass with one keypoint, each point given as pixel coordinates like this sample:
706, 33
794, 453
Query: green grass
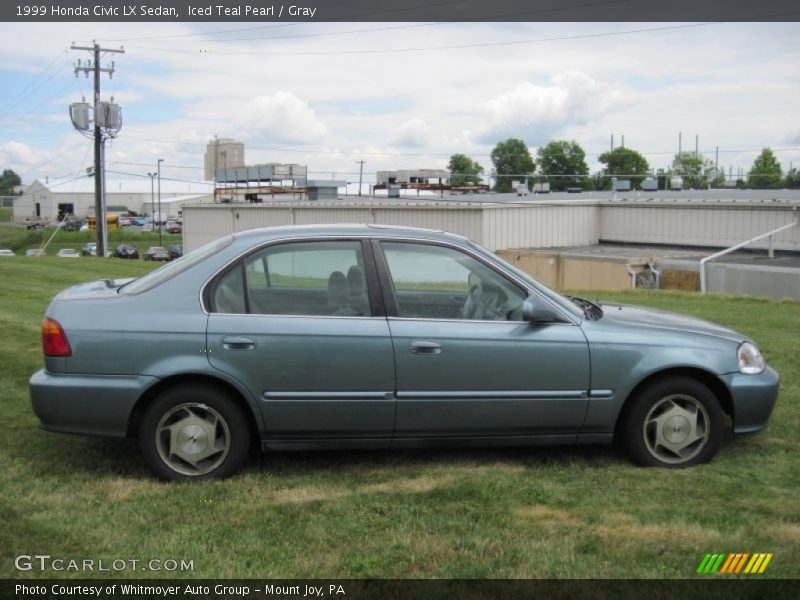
564, 512
20, 239
6, 214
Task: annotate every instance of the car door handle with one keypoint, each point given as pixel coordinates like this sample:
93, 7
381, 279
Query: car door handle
425, 348
238, 343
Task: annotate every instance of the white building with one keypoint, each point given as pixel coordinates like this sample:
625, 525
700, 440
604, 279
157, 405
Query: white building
413, 176
55, 198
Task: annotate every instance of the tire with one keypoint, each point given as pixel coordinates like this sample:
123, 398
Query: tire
673, 423
194, 432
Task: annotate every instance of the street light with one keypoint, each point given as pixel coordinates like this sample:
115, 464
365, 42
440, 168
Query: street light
152, 198
160, 160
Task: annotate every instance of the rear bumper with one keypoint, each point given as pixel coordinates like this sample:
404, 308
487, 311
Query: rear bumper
86, 404
753, 397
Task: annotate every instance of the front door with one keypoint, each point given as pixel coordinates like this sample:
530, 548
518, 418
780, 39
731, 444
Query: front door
466, 362
294, 322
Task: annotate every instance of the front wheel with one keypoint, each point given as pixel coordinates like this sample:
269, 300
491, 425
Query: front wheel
673, 423
194, 432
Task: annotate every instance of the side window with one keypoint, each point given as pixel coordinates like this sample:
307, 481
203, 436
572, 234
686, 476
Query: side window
229, 292
436, 282
308, 278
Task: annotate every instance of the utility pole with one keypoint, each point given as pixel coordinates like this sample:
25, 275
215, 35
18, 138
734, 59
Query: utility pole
360, 173
160, 160
680, 135
99, 141
152, 198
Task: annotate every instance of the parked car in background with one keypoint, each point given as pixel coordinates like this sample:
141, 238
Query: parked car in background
175, 251
34, 222
125, 221
6, 252
89, 249
126, 251
72, 224
174, 227
68, 253
364, 335
156, 253
35, 252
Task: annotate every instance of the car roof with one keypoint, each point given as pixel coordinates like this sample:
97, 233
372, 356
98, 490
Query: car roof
345, 229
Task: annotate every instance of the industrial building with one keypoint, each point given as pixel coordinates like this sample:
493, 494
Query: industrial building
565, 242
423, 176
222, 153
52, 199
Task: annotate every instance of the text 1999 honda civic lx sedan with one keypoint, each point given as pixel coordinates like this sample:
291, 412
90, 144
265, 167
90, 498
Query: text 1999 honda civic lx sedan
373, 336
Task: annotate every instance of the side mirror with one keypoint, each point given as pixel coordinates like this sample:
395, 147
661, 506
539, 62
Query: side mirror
536, 311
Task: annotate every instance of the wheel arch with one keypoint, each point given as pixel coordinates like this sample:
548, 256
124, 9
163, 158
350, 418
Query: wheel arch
139, 409
707, 378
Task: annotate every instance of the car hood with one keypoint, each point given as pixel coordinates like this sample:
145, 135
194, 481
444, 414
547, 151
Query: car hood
93, 289
636, 316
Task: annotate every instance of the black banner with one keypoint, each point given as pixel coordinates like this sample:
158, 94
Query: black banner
400, 10
349, 589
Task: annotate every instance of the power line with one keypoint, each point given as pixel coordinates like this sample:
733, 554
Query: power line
15, 100
284, 25
435, 48
162, 178
496, 17
447, 154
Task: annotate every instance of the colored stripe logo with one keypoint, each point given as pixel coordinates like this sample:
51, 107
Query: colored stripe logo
734, 562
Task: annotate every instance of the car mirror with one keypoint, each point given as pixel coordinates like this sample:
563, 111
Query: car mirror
536, 311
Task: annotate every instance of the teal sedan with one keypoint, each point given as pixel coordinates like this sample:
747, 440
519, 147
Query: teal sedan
365, 336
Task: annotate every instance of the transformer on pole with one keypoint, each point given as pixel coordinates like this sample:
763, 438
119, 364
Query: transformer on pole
106, 124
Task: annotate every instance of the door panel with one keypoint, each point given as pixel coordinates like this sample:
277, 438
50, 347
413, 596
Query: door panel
489, 378
291, 322
466, 363
314, 376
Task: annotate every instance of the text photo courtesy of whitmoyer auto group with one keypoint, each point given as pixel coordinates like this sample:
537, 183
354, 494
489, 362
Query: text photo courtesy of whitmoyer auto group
399, 299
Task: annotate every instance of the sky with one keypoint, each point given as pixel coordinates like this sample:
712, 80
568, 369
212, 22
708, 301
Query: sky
399, 95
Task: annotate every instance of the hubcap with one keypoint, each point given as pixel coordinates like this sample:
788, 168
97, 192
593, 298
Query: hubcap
193, 439
676, 429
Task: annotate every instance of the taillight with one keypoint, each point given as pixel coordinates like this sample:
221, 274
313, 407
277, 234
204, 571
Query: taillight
54, 340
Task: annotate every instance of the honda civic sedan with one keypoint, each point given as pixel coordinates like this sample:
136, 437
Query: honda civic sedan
367, 336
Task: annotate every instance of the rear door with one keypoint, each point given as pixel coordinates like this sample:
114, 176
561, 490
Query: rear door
300, 323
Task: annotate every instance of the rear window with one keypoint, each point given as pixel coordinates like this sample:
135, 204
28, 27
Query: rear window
174, 268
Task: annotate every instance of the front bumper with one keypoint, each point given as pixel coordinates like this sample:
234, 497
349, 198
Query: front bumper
86, 404
753, 397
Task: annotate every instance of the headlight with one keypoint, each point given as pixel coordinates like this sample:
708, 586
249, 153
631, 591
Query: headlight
750, 360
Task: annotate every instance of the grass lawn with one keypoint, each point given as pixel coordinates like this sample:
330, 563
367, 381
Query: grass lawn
6, 213
20, 239
564, 512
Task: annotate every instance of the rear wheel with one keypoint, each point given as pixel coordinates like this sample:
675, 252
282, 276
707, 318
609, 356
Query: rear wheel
194, 432
673, 423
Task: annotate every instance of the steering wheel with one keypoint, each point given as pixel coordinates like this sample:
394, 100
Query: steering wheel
472, 301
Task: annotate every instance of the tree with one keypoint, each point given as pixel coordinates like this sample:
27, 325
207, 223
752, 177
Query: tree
566, 161
8, 180
792, 179
766, 171
697, 171
464, 170
511, 160
624, 163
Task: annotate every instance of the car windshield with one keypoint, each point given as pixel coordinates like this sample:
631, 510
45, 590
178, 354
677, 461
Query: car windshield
557, 298
171, 269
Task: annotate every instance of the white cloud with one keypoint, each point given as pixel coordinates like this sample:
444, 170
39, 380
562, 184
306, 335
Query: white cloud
537, 112
413, 133
281, 117
18, 154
